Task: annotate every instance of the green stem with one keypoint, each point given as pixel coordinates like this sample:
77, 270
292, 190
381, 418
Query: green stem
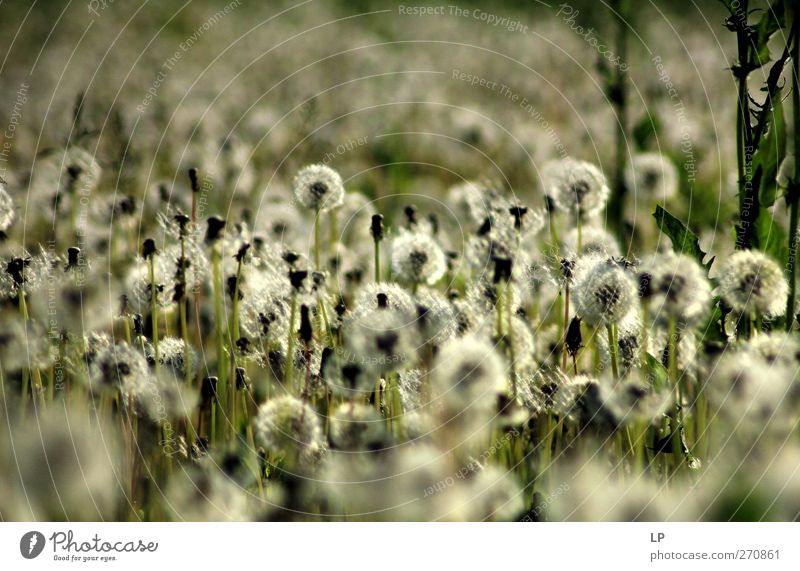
317, 243
288, 377
611, 329
377, 261
154, 309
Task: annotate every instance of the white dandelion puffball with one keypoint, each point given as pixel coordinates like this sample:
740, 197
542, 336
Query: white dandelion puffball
603, 293
7, 213
286, 424
577, 187
651, 175
417, 258
751, 282
675, 286
319, 187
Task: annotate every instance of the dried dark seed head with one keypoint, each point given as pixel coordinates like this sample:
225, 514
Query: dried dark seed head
502, 269
567, 266
327, 353
518, 212
243, 345
486, 227
241, 379
138, 324
183, 223
239, 256
341, 307
306, 332
411, 215
383, 300
208, 390
148, 248
179, 293
297, 277
574, 340
215, 227
234, 288
645, 286
377, 227
290, 257
318, 279
193, 180
73, 253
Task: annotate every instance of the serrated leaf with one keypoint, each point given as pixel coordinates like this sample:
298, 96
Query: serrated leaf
772, 238
768, 157
657, 373
683, 240
772, 20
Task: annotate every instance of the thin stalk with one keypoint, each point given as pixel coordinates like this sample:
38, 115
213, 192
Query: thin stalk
219, 320
288, 377
566, 320
672, 367
377, 261
317, 243
154, 309
611, 329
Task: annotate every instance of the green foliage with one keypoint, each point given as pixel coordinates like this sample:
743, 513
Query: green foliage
683, 240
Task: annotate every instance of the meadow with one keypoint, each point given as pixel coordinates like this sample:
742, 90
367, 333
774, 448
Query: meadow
336, 261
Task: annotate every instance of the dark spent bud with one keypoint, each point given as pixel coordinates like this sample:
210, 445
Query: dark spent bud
518, 212
290, 257
297, 277
502, 269
208, 390
73, 253
574, 340
138, 324
243, 345
341, 307
305, 330
16, 269
241, 379
239, 256
486, 227
327, 353
148, 248
383, 300
377, 227
215, 227
411, 215
434, 221
183, 223
193, 180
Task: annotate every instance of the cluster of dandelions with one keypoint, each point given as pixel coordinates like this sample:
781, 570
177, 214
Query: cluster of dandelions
277, 367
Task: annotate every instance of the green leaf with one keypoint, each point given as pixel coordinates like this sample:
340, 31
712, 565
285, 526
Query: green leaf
772, 20
657, 375
772, 238
768, 157
683, 240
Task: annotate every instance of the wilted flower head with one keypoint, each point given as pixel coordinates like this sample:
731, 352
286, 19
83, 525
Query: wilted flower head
346, 377
574, 186
603, 292
417, 258
285, 425
319, 187
751, 282
676, 286
651, 175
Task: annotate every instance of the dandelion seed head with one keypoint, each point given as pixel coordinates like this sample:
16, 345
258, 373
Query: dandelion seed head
675, 287
7, 211
651, 175
574, 186
417, 258
319, 187
751, 282
594, 240
287, 425
603, 293
358, 427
